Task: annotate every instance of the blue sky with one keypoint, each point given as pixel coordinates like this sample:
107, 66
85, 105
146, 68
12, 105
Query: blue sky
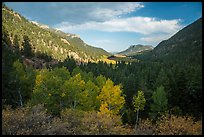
113, 26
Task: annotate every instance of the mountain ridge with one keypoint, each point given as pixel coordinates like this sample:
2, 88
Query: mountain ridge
135, 49
47, 40
185, 46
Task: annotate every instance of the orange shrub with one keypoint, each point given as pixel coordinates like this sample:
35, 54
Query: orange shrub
24, 121
145, 128
97, 123
177, 125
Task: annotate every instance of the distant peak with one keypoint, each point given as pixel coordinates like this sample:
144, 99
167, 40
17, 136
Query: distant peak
140, 45
136, 49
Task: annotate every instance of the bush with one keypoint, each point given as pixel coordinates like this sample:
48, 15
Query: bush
177, 125
145, 128
36, 121
97, 123
25, 120
72, 118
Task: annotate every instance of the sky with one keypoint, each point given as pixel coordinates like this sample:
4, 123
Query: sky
113, 26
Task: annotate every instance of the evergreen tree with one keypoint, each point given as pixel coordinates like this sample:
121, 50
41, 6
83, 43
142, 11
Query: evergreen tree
159, 104
162, 79
27, 50
6, 41
16, 45
22, 82
16, 42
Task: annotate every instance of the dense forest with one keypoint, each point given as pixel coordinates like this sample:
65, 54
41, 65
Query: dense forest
148, 97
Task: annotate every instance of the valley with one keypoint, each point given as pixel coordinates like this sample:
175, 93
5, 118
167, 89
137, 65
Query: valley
53, 83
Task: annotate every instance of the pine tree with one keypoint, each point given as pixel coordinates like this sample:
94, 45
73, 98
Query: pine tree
160, 103
27, 51
6, 41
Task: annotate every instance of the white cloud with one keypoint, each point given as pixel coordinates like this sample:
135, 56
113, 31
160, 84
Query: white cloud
142, 25
113, 10
81, 12
156, 39
111, 17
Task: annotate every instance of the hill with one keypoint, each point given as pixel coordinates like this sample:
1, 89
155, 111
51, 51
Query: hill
183, 47
48, 41
135, 49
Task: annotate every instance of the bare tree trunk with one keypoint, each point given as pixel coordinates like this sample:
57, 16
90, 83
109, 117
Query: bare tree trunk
60, 104
137, 119
74, 102
19, 93
20, 97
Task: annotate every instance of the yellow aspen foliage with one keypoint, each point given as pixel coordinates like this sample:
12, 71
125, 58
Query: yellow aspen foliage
111, 97
104, 109
38, 79
41, 75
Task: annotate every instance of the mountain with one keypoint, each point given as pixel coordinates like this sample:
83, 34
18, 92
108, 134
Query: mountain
135, 49
49, 41
183, 47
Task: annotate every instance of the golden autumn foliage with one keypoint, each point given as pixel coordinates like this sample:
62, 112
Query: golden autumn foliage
111, 98
170, 125
104, 109
40, 76
177, 125
36, 121
38, 79
97, 123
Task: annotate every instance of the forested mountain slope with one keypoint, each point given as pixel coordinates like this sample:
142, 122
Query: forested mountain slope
184, 47
48, 41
